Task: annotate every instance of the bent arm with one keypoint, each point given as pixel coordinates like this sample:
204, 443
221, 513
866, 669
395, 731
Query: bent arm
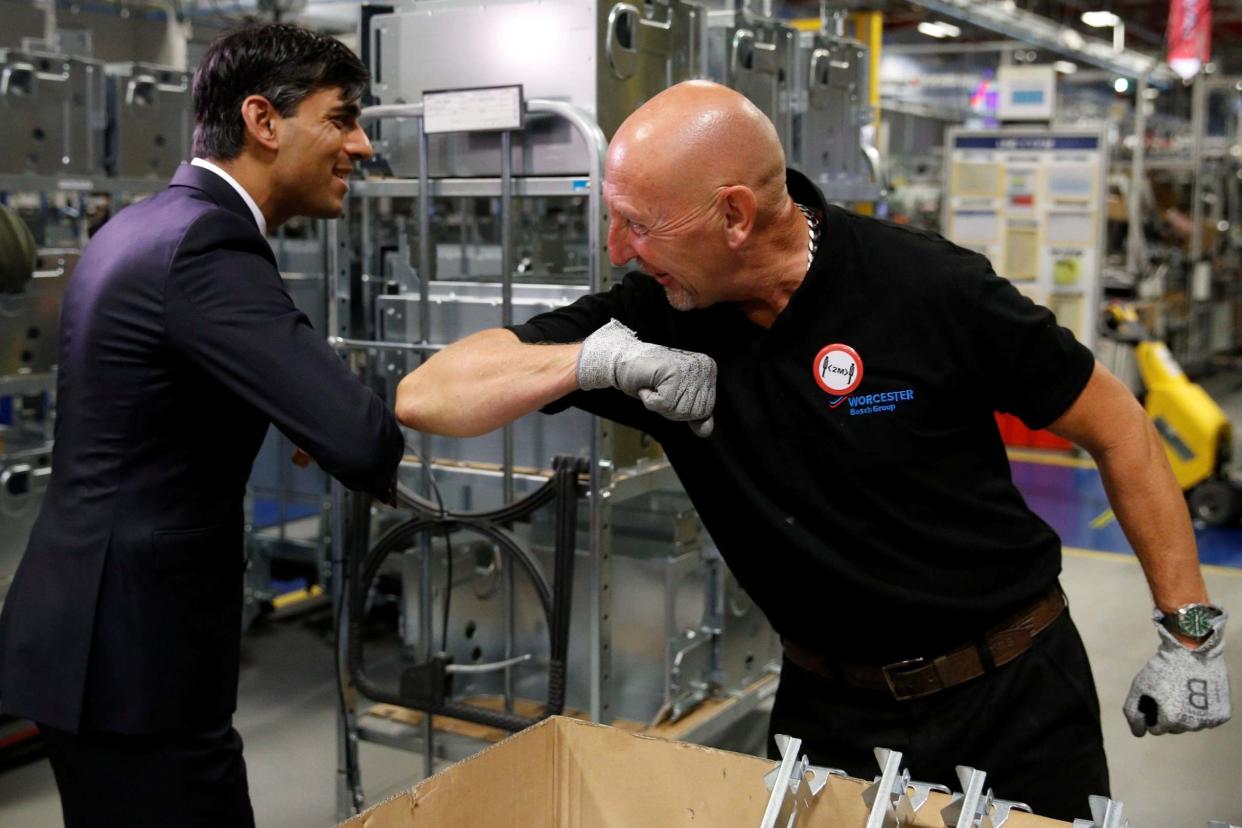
1109, 423
484, 381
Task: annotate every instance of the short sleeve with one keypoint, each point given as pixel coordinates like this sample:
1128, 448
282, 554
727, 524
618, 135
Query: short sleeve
1033, 367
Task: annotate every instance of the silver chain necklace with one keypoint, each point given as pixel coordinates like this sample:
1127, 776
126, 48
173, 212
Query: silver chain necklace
812, 226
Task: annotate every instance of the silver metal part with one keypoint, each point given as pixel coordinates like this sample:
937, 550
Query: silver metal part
758, 57
150, 123
794, 783
52, 114
602, 58
833, 108
889, 787
998, 813
914, 798
1105, 813
966, 808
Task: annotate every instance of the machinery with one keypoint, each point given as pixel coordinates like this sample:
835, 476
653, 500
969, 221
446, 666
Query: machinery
1197, 436
454, 232
149, 127
52, 114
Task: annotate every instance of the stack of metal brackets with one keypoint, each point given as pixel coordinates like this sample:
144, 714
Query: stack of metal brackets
828, 147
604, 58
29, 337
149, 124
52, 114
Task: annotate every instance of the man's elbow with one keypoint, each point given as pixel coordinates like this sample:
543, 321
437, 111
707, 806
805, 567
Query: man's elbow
420, 408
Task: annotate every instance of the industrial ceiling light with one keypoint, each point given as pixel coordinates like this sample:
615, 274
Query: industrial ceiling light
1121, 85
938, 29
1100, 19
1065, 67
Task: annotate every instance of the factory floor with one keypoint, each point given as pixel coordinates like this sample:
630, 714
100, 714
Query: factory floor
287, 707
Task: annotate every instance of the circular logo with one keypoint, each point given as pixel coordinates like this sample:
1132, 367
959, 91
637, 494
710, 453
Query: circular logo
838, 369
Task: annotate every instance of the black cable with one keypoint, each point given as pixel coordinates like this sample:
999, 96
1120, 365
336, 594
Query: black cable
448, 543
563, 487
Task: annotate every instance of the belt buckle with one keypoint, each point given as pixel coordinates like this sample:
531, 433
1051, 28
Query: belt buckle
901, 668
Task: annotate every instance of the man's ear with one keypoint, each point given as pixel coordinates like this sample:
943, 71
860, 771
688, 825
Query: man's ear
739, 205
261, 119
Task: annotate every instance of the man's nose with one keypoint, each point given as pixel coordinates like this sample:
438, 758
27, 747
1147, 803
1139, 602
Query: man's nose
358, 145
619, 249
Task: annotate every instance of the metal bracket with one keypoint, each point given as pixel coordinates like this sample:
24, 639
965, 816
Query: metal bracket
915, 797
881, 795
999, 813
894, 799
1105, 813
968, 807
973, 808
792, 791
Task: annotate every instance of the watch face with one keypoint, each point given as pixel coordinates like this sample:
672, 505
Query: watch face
1196, 620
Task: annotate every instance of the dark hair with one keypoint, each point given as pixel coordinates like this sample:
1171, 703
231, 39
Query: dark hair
281, 62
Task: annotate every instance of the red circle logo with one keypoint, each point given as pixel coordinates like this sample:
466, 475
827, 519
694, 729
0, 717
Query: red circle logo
838, 369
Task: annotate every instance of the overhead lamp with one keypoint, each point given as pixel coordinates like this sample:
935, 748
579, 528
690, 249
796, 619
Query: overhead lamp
939, 30
1065, 67
1100, 19
1121, 85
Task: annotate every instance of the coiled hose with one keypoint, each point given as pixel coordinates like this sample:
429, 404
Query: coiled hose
554, 598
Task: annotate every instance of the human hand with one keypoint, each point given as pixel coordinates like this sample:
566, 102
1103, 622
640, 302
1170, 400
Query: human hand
679, 385
1181, 689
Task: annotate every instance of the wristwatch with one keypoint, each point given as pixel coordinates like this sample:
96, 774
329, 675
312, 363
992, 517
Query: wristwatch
1191, 620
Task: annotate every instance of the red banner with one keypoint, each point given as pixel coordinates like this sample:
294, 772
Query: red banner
1190, 35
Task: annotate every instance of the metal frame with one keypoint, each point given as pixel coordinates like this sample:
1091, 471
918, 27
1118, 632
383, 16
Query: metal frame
350, 729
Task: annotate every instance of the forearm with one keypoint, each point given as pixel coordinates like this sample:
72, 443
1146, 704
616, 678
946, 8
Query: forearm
1151, 510
484, 381
1108, 422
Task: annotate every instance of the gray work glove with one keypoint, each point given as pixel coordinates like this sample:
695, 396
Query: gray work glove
1181, 689
678, 385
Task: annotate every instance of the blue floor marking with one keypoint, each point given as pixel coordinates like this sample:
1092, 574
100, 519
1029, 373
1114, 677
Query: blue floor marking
1069, 499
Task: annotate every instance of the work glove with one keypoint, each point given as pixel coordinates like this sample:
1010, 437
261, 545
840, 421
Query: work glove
1181, 689
678, 385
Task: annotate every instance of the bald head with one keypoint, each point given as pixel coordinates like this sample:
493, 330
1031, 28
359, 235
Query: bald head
696, 137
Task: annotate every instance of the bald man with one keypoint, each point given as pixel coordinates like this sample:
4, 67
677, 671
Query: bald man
824, 385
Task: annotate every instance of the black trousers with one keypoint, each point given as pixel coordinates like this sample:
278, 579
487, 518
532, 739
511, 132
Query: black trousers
1033, 725
181, 780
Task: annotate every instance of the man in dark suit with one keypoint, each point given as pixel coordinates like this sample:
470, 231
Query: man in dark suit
179, 345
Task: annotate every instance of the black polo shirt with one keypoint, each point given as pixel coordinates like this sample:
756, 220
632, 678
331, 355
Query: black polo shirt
855, 482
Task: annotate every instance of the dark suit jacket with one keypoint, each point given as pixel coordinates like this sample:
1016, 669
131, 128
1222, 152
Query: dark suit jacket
179, 345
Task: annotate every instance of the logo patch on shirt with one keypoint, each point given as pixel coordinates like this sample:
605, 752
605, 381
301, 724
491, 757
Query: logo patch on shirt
838, 370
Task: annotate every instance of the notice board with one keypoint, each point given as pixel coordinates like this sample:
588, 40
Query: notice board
1033, 202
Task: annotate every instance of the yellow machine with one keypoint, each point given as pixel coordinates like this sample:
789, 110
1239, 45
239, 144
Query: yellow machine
1197, 436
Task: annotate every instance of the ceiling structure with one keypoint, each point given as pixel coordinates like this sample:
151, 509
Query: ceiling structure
1144, 21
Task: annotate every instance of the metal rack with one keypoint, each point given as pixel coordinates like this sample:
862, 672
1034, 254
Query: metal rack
615, 481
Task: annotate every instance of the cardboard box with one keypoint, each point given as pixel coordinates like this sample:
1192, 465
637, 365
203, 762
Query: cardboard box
565, 773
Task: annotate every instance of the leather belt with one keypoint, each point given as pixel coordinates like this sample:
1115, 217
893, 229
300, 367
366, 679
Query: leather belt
918, 677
